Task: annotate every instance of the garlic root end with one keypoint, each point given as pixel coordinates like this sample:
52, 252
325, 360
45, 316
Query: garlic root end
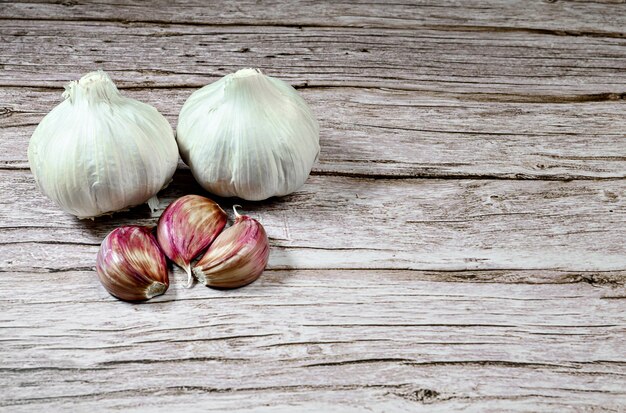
156, 288
200, 275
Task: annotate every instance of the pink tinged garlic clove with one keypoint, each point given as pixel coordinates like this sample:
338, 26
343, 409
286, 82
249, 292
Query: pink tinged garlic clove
237, 257
187, 227
130, 264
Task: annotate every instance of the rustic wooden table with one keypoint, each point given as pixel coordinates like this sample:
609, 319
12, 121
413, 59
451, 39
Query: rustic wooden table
459, 245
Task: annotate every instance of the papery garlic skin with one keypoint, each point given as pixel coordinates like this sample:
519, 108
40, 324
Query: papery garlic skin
130, 264
248, 135
237, 257
99, 152
187, 227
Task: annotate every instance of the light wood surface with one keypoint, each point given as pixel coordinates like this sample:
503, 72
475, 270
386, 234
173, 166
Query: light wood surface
460, 244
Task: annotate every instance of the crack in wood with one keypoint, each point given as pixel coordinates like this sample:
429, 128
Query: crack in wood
529, 30
411, 362
532, 98
330, 25
176, 390
426, 173
429, 173
177, 360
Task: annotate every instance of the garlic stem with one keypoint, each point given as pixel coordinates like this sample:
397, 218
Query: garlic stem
237, 215
153, 204
92, 88
189, 283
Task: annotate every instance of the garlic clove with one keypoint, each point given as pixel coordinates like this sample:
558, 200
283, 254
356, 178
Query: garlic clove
237, 257
187, 227
130, 264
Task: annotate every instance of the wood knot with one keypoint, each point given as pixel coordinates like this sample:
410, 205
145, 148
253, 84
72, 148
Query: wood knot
5, 112
420, 395
610, 196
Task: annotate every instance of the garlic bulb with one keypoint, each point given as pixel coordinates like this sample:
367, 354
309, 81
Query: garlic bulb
248, 135
98, 152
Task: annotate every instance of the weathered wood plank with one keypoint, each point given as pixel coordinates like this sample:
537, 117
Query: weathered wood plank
339, 222
564, 18
479, 65
346, 338
375, 132
383, 290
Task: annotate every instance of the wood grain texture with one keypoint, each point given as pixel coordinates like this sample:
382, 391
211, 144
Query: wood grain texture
598, 17
447, 225
459, 245
506, 66
331, 340
407, 134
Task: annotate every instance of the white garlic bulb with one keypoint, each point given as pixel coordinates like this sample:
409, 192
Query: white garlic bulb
98, 152
248, 135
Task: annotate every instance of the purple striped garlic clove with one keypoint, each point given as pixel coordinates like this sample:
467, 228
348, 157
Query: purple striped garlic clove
130, 264
237, 257
187, 227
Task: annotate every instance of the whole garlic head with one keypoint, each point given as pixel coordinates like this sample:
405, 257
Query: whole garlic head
98, 152
248, 135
